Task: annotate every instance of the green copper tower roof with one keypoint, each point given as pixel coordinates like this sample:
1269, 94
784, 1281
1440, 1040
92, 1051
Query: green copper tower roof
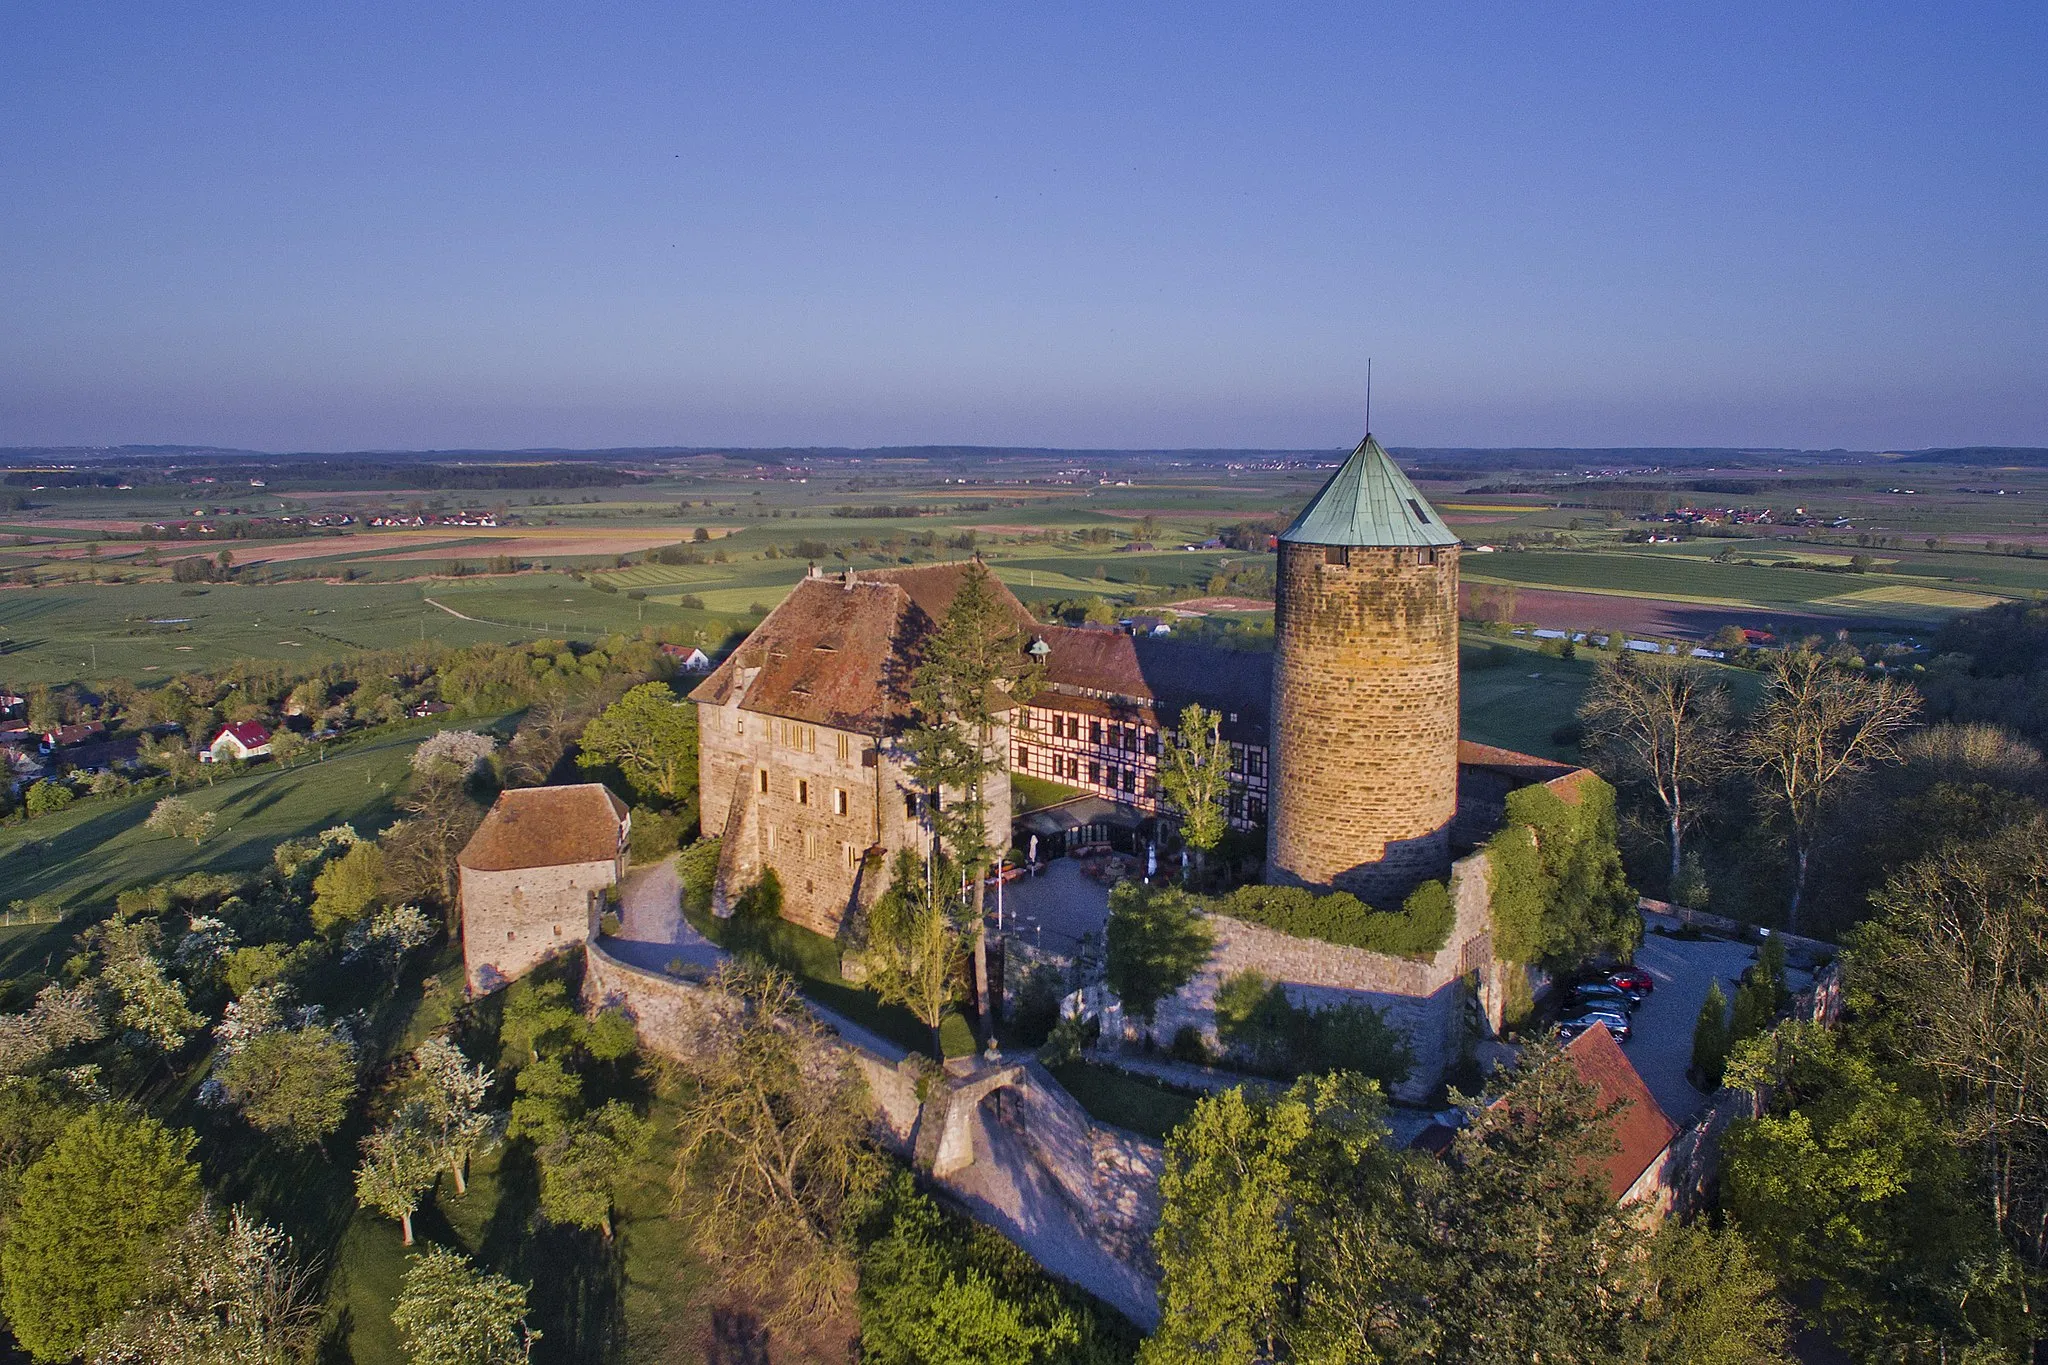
1369, 501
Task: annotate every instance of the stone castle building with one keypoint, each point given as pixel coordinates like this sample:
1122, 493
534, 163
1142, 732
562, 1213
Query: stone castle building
1365, 687
534, 877
801, 761
1343, 741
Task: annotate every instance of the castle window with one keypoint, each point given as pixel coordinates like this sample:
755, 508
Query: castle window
845, 747
839, 803
803, 792
1095, 773
805, 836
764, 781
771, 838
1335, 554
1095, 732
1130, 779
910, 805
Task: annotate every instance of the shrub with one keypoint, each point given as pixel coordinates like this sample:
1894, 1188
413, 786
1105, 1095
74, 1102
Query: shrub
1189, 1047
655, 834
956, 1039
47, 796
697, 869
1418, 929
1265, 1031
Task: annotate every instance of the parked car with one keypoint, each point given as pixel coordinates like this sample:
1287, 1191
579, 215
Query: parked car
1615, 1023
1632, 979
1601, 993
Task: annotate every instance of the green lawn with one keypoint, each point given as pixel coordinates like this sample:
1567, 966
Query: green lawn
1127, 1101
1519, 704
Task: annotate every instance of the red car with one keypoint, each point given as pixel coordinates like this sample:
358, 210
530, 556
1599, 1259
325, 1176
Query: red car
1632, 979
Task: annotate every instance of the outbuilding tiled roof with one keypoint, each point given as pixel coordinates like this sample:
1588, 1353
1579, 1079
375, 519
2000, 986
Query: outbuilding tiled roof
1640, 1129
547, 827
1369, 501
840, 649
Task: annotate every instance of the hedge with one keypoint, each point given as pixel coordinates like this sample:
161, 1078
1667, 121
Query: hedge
1418, 929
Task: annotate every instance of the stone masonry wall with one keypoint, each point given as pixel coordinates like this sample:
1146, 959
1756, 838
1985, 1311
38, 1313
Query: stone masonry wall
809, 801
682, 1018
1365, 718
1425, 1000
513, 920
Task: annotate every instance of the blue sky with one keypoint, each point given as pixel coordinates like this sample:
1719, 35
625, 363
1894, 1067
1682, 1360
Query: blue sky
407, 225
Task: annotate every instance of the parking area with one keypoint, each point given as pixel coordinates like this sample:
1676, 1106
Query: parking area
1661, 1045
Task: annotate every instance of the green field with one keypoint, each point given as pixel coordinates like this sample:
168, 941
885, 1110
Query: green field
153, 630
83, 854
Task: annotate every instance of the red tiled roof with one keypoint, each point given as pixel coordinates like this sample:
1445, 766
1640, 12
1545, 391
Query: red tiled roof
547, 827
1524, 768
840, 650
247, 733
1161, 676
1641, 1129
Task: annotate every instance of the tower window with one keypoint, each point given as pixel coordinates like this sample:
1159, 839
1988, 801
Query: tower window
764, 781
1336, 554
803, 792
839, 801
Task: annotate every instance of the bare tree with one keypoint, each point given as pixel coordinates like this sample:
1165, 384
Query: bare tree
1820, 727
774, 1141
1957, 962
1662, 724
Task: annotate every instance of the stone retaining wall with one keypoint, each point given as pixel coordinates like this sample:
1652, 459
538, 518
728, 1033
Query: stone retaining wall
1425, 999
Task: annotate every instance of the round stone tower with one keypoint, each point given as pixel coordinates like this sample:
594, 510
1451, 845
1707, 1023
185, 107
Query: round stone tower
1365, 688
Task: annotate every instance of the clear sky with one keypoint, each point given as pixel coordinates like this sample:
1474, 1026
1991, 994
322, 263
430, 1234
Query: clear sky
321, 226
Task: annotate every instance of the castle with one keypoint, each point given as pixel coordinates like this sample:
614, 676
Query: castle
1343, 742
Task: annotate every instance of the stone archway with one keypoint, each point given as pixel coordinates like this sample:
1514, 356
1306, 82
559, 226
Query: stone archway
954, 1150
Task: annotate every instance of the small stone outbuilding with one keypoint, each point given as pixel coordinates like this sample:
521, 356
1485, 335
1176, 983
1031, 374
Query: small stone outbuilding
534, 877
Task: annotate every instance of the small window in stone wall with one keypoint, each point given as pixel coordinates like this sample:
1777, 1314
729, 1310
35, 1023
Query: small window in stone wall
910, 805
803, 792
764, 781
839, 801
845, 748
1336, 554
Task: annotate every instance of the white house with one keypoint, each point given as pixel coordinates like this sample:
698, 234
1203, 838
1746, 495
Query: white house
245, 739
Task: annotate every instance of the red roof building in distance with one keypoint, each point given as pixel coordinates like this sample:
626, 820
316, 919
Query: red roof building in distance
243, 739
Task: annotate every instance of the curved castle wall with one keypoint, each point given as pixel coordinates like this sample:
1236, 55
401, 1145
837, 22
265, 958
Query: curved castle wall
1365, 718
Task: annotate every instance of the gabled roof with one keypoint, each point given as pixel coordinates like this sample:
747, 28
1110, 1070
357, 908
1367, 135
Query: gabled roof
1161, 675
248, 733
1640, 1128
547, 827
841, 648
1369, 501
